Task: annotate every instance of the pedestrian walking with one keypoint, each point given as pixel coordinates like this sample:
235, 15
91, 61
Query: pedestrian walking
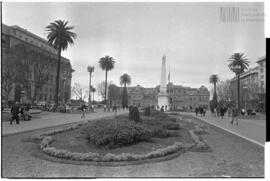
196, 111
162, 109
15, 110
222, 111
104, 107
83, 111
235, 113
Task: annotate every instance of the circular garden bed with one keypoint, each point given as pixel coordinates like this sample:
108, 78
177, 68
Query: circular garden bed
121, 140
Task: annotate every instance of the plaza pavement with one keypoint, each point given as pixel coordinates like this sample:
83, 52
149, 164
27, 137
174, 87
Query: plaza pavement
252, 130
52, 119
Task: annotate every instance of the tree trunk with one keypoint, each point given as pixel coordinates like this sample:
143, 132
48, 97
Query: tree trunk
89, 99
57, 76
105, 87
238, 91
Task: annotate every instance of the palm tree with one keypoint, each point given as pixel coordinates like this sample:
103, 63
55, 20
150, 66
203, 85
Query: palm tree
59, 36
214, 80
106, 63
90, 69
125, 80
93, 91
238, 64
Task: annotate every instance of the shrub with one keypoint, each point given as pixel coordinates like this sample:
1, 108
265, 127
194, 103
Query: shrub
115, 133
134, 114
172, 126
147, 111
159, 114
159, 132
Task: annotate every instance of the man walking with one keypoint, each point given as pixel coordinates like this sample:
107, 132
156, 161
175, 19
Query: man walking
15, 109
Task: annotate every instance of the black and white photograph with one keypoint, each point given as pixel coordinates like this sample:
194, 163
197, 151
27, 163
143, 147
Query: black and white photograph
133, 89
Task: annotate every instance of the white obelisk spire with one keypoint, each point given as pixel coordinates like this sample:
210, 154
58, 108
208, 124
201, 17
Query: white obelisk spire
163, 80
162, 95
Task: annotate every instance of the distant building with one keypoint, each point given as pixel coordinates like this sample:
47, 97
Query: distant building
261, 82
252, 87
188, 98
15, 35
141, 96
180, 97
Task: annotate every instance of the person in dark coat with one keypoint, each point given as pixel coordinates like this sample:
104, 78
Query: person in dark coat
222, 111
15, 110
162, 109
196, 111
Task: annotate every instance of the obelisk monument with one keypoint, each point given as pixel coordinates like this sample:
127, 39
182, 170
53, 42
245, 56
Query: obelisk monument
162, 95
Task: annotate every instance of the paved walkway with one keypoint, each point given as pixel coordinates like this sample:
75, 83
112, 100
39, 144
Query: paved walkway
252, 130
52, 119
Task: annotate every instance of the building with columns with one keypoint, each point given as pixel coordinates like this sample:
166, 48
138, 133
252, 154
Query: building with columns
180, 97
252, 87
17, 40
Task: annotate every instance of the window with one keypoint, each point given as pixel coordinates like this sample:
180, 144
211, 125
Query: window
40, 97
262, 76
26, 39
50, 97
261, 70
45, 97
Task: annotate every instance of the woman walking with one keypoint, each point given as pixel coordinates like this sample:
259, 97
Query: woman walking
83, 111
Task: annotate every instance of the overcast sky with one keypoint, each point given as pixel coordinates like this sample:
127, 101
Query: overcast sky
195, 41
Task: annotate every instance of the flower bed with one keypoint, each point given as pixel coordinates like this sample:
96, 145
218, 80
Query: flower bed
122, 127
115, 133
60, 153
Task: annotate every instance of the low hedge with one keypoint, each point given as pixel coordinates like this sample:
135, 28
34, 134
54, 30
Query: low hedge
115, 133
60, 153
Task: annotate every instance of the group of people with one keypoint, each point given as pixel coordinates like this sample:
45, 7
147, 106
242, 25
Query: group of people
200, 110
231, 112
220, 111
18, 110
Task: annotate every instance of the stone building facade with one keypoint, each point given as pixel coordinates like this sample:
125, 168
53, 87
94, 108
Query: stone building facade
252, 87
14, 36
180, 97
262, 82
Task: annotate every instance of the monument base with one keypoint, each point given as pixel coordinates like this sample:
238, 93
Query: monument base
163, 101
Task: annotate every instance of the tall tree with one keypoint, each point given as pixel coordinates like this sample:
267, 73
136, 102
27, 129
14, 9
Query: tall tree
238, 64
24, 62
223, 90
113, 94
9, 74
90, 69
214, 80
40, 64
125, 80
60, 36
78, 92
106, 63
101, 89
93, 91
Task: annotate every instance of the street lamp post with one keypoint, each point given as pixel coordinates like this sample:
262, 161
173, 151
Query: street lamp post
90, 69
